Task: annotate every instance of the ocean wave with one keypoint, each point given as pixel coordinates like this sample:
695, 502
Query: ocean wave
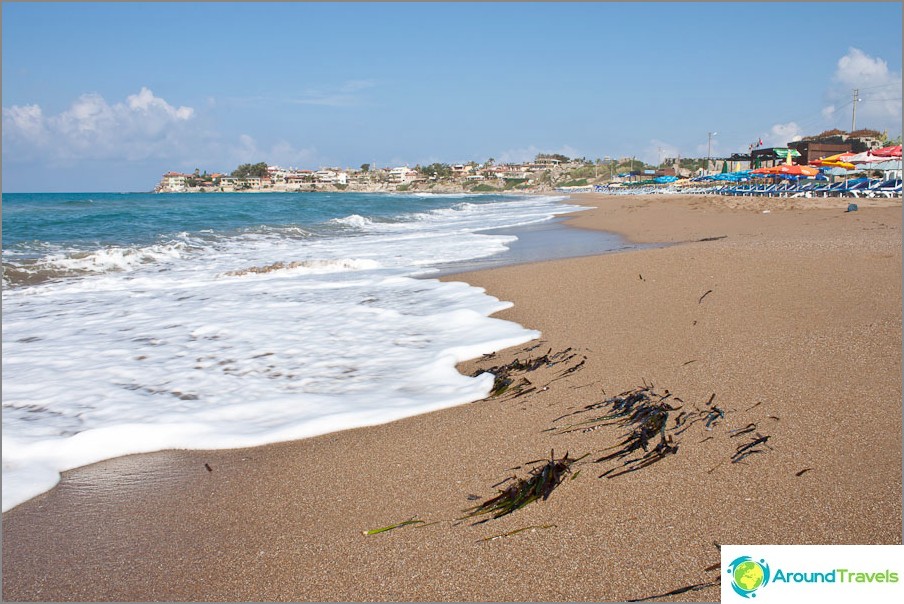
79, 263
354, 220
307, 266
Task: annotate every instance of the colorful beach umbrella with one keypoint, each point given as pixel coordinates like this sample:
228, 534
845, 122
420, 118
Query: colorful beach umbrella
893, 151
832, 159
865, 158
792, 169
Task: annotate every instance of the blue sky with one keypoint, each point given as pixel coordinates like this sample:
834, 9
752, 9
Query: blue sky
108, 96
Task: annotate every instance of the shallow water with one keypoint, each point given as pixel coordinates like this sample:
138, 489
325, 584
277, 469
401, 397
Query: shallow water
218, 321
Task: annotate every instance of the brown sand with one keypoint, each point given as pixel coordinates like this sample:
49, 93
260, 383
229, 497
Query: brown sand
803, 316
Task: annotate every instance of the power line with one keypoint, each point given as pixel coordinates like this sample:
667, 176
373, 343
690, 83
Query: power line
879, 86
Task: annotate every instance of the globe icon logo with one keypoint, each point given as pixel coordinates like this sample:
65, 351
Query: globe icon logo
748, 575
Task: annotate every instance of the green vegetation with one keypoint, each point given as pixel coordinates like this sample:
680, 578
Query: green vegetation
403, 188
513, 183
575, 183
585, 172
484, 188
435, 169
258, 170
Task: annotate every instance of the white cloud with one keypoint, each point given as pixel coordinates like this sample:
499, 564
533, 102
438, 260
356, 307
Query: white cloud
857, 68
880, 91
146, 102
782, 134
25, 121
142, 127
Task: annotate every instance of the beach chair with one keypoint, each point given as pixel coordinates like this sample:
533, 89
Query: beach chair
859, 189
765, 190
832, 189
888, 188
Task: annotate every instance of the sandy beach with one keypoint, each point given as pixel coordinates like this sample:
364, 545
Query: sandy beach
784, 315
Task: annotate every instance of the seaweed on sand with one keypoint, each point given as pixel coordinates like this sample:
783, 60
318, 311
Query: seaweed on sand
649, 420
539, 484
504, 376
617, 408
646, 413
751, 448
392, 526
653, 423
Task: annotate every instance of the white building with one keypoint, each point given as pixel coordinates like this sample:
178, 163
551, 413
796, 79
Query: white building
172, 182
331, 177
402, 175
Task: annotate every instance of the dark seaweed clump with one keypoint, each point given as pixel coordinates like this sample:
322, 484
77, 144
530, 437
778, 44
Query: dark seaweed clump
539, 484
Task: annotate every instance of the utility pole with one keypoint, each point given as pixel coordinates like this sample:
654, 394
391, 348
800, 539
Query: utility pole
709, 149
856, 99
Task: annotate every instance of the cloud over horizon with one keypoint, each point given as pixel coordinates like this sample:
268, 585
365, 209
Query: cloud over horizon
144, 126
879, 88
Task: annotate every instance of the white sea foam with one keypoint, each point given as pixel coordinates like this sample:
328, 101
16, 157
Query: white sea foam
251, 339
353, 220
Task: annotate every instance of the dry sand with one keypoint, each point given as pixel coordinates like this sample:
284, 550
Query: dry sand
799, 332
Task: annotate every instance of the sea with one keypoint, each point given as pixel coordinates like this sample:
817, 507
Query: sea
138, 322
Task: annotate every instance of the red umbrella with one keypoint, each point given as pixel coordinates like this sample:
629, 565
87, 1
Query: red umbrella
894, 151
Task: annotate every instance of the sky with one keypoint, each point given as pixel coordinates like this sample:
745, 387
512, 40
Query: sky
109, 96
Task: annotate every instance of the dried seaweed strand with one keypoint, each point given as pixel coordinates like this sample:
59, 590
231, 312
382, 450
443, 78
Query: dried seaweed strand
539, 484
392, 526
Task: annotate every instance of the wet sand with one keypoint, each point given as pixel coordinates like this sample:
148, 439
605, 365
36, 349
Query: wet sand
791, 318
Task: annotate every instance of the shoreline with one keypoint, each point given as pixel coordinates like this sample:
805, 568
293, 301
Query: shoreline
802, 317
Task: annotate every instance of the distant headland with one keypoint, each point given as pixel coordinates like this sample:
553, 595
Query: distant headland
547, 172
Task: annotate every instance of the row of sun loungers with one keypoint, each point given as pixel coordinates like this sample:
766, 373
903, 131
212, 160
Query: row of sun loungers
860, 187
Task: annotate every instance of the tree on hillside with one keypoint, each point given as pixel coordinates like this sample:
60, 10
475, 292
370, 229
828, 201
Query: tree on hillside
435, 169
258, 170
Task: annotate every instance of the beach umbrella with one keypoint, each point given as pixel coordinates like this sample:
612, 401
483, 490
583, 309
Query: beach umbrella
894, 151
840, 171
793, 169
839, 160
864, 158
839, 164
886, 165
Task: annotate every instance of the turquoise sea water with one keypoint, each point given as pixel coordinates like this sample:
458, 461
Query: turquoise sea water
55, 226
139, 322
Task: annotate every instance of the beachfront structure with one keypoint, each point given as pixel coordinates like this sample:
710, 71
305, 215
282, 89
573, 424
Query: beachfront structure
173, 182
402, 175
812, 150
461, 170
767, 157
331, 177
